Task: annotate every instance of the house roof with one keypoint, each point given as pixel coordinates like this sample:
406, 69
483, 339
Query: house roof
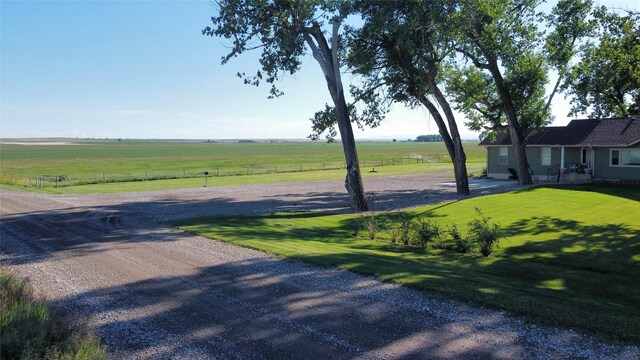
588, 132
615, 132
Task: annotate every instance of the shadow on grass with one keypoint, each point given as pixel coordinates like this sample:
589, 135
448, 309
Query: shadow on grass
31, 237
221, 308
582, 276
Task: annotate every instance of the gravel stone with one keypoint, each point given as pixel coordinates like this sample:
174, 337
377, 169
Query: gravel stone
153, 292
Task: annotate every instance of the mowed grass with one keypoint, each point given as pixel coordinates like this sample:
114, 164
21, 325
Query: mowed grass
110, 166
572, 256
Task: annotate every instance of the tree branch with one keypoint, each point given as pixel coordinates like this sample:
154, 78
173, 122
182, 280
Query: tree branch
317, 54
367, 92
473, 58
334, 57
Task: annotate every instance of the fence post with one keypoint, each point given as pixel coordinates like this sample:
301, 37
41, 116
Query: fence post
300, 167
146, 176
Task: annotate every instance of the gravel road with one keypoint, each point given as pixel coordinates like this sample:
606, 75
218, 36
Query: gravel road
153, 292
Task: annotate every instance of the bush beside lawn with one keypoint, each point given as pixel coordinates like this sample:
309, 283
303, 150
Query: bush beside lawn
571, 256
30, 329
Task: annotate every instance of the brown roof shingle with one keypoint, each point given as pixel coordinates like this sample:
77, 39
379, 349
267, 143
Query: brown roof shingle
615, 132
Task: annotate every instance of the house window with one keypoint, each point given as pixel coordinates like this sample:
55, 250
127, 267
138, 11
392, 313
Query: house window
503, 156
625, 157
545, 156
583, 156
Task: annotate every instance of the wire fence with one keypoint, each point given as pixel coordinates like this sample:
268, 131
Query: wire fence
62, 180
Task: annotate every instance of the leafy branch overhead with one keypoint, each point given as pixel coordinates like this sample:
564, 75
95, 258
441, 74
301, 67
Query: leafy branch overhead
276, 30
283, 30
606, 81
500, 76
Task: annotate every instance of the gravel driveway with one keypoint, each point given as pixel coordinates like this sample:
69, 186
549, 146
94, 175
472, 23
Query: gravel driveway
151, 291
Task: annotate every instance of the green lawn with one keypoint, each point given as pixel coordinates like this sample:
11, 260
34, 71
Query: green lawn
572, 256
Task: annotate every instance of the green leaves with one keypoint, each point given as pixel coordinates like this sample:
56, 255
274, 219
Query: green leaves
606, 81
274, 27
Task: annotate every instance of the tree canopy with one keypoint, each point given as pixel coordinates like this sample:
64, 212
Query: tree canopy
400, 52
606, 81
283, 30
489, 59
509, 54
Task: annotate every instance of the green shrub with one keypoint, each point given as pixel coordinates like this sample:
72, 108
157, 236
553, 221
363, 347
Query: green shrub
404, 227
439, 240
485, 233
358, 224
462, 244
427, 231
29, 329
372, 226
393, 234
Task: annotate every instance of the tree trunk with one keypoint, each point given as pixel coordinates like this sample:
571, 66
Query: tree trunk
327, 58
353, 181
460, 170
458, 157
520, 149
516, 133
452, 143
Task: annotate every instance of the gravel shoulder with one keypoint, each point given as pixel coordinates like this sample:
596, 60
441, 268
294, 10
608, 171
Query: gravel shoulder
153, 292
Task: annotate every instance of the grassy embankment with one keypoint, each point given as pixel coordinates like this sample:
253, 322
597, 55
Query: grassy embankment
572, 256
30, 329
125, 166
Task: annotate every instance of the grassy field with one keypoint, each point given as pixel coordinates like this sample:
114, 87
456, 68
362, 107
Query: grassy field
182, 163
571, 258
167, 184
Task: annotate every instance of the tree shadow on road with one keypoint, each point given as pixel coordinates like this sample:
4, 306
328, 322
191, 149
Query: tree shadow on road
266, 308
34, 236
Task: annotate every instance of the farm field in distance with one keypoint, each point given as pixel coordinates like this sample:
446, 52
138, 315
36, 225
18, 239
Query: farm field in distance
97, 163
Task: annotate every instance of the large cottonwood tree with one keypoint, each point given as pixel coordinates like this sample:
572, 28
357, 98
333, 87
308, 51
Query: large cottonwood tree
284, 30
400, 52
509, 54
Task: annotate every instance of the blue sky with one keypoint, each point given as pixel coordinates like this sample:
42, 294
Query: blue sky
143, 69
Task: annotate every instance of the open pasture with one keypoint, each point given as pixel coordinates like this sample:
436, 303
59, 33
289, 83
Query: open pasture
105, 161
